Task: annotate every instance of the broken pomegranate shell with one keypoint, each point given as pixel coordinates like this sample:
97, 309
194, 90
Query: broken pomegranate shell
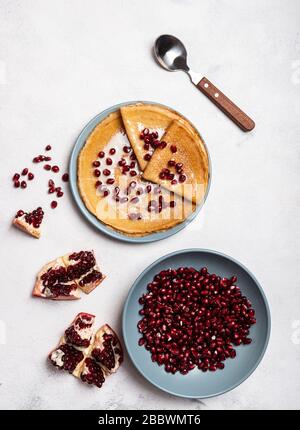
53, 282
29, 222
80, 332
63, 278
107, 349
66, 357
92, 373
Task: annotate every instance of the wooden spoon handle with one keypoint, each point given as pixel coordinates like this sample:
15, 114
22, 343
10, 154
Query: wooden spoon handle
226, 105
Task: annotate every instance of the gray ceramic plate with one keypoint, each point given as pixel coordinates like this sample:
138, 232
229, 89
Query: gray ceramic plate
89, 216
197, 384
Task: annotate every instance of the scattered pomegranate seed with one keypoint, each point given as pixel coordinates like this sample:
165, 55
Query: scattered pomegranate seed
106, 193
110, 181
174, 181
16, 177
65, 177
97, 173
192, 318
171, 163
101, 154
23, 184
182, 178
163, 144
173, 149
109, 161
47, 167
51, 190
112, 151
36, 159
147, 156
17, 184
55, 169
59, 193
30, 176
126, 149
122, 162
96, 163
106, 172
24, 171
47, 158
98, 183
48, 148
133, 173
53, 204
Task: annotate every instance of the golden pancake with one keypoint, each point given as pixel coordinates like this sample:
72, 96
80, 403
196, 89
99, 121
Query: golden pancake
112, 187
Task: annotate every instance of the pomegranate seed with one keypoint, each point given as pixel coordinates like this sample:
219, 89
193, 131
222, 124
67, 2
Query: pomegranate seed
36, 159
24, 171
17, 184
122, 162
59, 194
145, 131
147, 157
16, 177
48, 148
182, 178
126, 149
106, 193
55, 169
51, 190
173, 149
97, 173
20, 213
53, 204
23, 184
172, 204
65, 177
101, 154
174, 181
133, 173
98, 183
47, 167
110, 181
51, 183
163, 144
106, 172
112, 151
171, 163
30, 176
96, 163
47, 159
109, 161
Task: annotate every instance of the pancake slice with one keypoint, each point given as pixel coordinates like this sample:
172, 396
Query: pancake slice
137, 117
182, 166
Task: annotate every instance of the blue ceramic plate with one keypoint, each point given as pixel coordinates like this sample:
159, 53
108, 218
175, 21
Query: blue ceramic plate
197, 384
88, 215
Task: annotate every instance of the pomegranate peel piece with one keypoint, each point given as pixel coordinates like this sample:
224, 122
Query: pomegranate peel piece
52, 283
63, 278
107, 349
29, 222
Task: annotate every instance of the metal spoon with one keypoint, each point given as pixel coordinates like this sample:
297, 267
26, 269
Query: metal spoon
172, 56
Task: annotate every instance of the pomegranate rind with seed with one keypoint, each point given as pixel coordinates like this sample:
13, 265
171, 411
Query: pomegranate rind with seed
79, 352
90, 279
40, 290
21, 223
106, 344
86, 277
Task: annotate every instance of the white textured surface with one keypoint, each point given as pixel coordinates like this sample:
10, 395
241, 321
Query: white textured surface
63, 62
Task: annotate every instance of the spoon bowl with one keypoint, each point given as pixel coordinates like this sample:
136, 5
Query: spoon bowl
170, 53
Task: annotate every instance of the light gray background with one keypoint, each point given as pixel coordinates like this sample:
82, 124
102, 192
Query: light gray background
61, 63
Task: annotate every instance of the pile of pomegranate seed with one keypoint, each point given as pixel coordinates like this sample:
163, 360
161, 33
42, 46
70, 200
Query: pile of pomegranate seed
192, 318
